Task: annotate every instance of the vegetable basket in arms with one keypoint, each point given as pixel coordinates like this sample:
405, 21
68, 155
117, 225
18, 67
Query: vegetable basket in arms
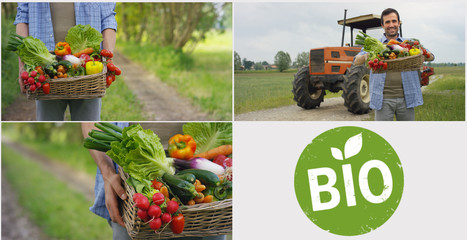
77, 87
206, 219
162, 203
75, 69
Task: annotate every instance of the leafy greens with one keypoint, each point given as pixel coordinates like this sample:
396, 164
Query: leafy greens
141, 154
33, 52
209, 135
81, 37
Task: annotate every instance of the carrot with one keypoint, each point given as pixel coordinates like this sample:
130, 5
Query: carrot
208, 199
87, 51
221, 150
165, 191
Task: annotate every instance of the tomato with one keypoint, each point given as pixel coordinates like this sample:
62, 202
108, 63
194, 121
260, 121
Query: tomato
111, 67
118, 71
416, 43
106, 53
108, 80
177, 224
385, 66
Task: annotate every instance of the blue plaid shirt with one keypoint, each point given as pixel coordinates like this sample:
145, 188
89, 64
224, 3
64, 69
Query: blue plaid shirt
99, 207
100, 15
410, 84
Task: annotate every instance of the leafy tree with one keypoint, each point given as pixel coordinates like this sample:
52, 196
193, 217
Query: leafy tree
237, 61
258, 66
247, 64
282, 60
264, 63
302, 59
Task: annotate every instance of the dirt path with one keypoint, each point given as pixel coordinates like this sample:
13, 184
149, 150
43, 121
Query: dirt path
160, 101
79, 181
15, 222
331, 109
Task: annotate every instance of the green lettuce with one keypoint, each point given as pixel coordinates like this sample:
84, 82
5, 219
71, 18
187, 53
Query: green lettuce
209, 135
81, 37
141, 154
33, 52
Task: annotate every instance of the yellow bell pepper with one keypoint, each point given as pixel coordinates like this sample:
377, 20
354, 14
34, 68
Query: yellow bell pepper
93, 67
414, 51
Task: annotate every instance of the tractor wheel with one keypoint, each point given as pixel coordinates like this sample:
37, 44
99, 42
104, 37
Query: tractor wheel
305, 94
356, 92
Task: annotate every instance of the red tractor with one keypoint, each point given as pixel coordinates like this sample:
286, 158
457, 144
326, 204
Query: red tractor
332, 69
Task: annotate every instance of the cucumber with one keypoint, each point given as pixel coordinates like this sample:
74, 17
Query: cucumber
206, 177
181, 188
99, 135
189, 177
66, 64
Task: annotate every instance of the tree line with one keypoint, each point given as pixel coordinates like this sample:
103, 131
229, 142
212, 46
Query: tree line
282, 62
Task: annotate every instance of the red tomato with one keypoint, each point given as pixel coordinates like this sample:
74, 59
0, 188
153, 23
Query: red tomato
108, 80
118, 71
177, 224
111, 67
106, 53
46, 88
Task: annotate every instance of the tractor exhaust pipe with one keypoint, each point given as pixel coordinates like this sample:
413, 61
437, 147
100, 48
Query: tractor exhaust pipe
343, 27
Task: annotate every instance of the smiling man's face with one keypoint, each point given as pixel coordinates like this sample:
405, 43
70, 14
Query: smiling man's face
391, 25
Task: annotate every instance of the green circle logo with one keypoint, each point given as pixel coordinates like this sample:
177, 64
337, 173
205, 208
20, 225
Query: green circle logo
349, 181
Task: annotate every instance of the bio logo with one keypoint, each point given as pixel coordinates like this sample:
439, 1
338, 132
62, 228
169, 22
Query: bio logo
349, 181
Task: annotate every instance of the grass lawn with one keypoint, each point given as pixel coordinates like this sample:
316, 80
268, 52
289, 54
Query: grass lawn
57, 209
205, 76
258, 90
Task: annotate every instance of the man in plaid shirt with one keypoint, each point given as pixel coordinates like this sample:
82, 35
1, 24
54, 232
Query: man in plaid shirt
50, 22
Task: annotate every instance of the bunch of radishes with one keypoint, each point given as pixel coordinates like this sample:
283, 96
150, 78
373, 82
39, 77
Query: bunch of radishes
34, 81
159, 211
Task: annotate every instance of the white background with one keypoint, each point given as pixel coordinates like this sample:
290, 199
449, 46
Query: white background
433, 156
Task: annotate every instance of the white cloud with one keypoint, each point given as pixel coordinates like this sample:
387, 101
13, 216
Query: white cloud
263, 29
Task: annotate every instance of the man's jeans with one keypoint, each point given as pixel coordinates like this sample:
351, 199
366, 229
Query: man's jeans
395, 106
80, 109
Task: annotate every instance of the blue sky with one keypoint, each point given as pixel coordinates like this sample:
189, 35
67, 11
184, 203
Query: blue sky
263, 29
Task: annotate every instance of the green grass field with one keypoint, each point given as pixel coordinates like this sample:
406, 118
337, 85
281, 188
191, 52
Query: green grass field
258, 90
444, 100
205, 76
61, 212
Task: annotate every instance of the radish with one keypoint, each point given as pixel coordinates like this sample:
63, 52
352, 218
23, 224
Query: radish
32, 88
158, 198
143, 215
33, 74
31, 80
137, 195
141, 201
24, 75
41, 78
166, 218
155, 224
154, 211
172, 206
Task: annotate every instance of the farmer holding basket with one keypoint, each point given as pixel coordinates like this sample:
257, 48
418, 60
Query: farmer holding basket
393, 93
50, 22
110, 194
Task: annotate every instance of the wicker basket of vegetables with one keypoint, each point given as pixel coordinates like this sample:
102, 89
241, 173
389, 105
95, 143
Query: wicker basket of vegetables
76, 69
164, 203
393, 56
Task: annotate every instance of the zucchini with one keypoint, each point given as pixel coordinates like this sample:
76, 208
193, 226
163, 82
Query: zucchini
112, 126
206, 177
189, 177
102, 136
66, 64
181, 188
92, 143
